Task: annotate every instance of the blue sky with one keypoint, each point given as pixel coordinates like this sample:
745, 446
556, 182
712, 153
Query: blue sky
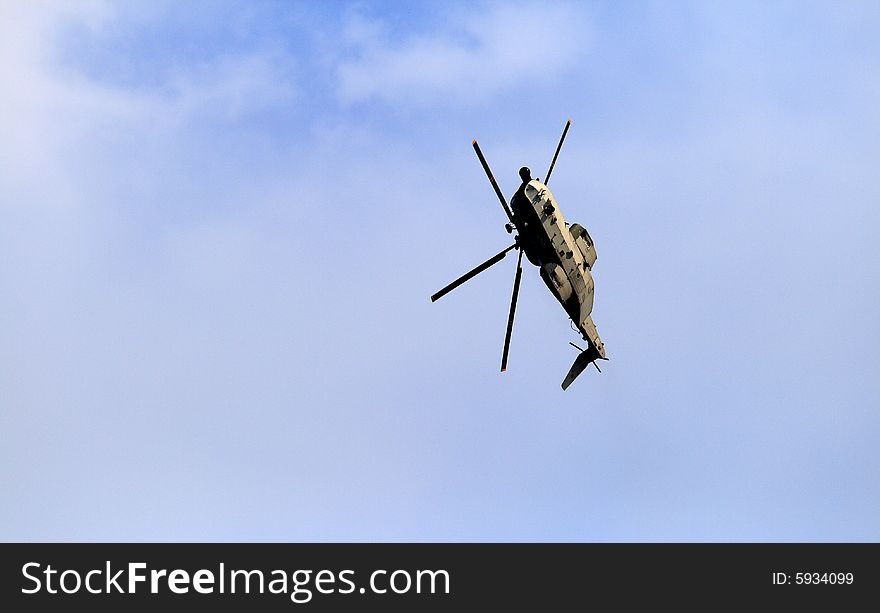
220, 224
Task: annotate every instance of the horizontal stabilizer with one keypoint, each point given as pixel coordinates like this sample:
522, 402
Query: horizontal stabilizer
580, 363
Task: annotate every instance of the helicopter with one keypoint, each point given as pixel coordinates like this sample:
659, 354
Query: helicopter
564, 254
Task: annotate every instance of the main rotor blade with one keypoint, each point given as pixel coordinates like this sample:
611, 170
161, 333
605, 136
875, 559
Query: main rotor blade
492, 181
512, 311
467, 276
555, 155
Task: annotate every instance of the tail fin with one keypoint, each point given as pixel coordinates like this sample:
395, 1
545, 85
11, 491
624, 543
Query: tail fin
591, 354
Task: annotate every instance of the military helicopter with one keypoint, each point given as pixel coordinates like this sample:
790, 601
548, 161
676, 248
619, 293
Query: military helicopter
564, 254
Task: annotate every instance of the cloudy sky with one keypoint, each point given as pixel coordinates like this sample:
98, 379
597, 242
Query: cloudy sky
220, 224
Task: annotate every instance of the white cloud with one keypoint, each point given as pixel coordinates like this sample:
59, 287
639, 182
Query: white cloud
232, 86
479, 55
49, 109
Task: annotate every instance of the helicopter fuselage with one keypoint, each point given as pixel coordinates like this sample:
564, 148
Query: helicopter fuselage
564, 253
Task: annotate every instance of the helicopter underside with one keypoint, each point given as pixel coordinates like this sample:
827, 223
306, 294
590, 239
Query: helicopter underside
565, 262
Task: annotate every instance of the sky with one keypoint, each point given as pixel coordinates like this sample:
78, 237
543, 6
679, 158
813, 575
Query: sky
221, 222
